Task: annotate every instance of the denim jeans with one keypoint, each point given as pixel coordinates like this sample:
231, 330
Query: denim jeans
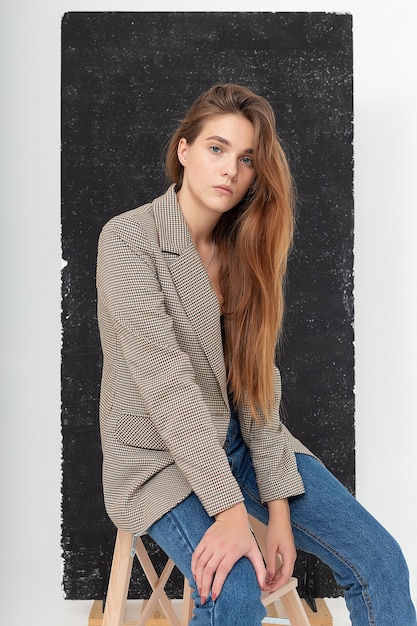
327, 521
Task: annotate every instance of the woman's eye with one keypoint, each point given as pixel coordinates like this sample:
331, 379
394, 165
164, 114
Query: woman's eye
247, 160
215, 149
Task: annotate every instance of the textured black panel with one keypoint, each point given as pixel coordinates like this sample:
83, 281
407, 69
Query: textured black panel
126, 79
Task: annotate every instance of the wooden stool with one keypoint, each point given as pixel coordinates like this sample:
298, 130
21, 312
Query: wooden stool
128, 545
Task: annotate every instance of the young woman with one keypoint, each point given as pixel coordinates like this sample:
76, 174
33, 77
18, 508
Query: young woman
190, 305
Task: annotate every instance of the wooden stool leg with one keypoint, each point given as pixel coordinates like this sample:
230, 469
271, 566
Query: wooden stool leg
119, 580
157, 584
187, 604
294, 609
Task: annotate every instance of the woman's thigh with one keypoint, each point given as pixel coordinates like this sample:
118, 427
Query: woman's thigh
178, 533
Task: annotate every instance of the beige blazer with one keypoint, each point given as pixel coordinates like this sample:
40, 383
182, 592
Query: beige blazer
164, 408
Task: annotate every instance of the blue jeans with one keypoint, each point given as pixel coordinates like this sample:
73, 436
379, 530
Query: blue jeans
327, 521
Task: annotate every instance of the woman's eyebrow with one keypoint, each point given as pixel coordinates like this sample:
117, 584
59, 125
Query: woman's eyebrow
226, 142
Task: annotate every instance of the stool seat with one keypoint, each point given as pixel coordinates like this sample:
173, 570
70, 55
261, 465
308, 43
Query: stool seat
129, 545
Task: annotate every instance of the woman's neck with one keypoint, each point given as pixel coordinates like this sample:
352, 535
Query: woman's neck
200, 223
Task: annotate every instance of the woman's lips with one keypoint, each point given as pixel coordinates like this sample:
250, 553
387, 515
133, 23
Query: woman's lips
223, 189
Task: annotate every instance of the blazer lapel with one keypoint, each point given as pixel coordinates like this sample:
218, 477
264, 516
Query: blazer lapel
192, 282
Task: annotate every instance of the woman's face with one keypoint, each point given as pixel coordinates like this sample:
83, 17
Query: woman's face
218, 165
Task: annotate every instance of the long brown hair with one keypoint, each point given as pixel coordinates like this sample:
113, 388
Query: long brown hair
253, 241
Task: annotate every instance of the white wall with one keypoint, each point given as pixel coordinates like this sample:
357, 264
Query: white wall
385, 274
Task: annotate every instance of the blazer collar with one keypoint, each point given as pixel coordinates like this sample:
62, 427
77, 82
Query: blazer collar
191, 281
173, 232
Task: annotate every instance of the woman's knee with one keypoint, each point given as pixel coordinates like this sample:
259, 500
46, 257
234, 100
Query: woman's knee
240, 599
238, 603
389, 559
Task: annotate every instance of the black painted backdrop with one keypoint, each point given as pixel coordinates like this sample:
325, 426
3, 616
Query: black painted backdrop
126, 79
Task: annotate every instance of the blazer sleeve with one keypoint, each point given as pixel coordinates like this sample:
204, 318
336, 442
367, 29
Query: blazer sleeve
130, 291
272, 450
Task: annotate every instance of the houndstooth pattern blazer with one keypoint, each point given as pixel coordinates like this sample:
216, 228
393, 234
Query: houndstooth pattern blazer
164, 409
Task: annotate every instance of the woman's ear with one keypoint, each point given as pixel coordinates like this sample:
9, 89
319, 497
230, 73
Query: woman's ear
182, 151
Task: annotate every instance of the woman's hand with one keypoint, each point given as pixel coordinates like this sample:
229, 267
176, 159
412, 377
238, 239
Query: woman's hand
223, 544
280, 547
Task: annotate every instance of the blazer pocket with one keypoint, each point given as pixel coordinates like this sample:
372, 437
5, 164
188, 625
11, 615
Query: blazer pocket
138, 431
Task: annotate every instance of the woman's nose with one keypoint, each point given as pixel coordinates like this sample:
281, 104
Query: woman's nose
230, 169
